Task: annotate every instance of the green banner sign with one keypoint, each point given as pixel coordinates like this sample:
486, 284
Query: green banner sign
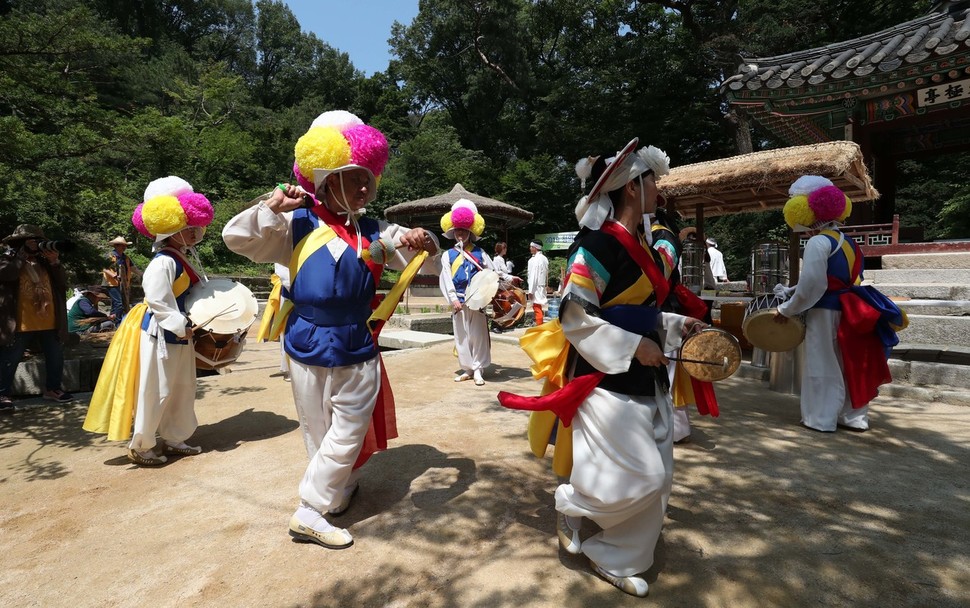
553, 241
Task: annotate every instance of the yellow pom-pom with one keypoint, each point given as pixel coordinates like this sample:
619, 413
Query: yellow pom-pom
798, 212
163, 215
478, 227
446, 224
848, 209
321, 148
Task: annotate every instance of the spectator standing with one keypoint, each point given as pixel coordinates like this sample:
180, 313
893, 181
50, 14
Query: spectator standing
118, 277
29, 280
538, 278
718, 269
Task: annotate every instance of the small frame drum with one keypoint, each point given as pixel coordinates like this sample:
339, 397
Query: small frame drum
711, 354
508, 306
760, 329
222, 311
481, 289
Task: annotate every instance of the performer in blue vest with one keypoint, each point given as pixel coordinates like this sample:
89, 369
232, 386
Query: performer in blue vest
149, 369
459, 265
318, 229
849, 328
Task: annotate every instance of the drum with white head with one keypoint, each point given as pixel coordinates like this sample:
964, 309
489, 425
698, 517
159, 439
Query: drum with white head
481, 289
221, 311
761, 330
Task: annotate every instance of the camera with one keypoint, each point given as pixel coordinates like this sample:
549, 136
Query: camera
56, 246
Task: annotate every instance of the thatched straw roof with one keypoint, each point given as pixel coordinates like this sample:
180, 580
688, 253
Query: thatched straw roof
760, 181
428, 211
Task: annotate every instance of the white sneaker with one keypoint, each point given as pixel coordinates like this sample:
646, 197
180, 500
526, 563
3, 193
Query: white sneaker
634, 585
308, 525
567, 529
479, 381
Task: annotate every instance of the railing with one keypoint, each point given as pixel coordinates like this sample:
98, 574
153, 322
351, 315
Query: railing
871, 235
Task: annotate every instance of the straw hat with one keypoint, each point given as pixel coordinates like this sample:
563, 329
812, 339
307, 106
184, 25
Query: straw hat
119, 241
24, 232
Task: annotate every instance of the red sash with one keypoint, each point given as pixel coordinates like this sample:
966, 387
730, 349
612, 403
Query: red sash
333, 220
643, 259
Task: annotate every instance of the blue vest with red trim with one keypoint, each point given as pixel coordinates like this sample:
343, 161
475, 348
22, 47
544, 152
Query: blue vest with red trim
838, 267
332, 299
466, 271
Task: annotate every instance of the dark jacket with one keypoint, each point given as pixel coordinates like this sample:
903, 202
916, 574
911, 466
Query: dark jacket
10, 266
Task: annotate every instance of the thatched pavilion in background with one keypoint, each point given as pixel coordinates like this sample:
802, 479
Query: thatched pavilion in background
759, 182
427, 212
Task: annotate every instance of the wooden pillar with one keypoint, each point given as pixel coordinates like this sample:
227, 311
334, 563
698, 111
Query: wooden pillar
699, 218
885, 182
794, 242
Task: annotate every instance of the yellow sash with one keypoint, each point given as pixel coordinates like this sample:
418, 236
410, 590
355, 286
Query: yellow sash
272, 307
277, 315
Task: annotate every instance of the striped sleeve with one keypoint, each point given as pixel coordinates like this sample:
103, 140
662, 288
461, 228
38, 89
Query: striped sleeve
586, 278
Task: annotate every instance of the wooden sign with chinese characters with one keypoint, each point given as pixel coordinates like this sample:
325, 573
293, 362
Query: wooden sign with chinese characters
943, 93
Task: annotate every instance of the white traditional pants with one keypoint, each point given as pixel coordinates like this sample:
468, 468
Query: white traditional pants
824, 400
166, 393
471, 339
335, 405
621, 478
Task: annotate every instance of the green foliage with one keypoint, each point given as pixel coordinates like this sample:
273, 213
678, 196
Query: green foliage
99, 97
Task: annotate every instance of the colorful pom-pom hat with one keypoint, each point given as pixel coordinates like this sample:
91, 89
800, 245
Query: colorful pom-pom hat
170, 206
815, 203
463, 214
339, 141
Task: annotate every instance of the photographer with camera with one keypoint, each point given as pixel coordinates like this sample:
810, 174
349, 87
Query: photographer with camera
32, 286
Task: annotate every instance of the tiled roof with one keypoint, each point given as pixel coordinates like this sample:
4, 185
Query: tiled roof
936, 35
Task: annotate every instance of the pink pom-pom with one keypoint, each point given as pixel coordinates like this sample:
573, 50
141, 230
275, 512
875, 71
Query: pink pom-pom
304, 182
462, 217
139, 223
368, 147
828, 203
198, 209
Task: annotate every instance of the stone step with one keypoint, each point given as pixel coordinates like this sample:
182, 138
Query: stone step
948, 376
936, 307
952, 276
926, 261
399, 339
947, 331
925, 291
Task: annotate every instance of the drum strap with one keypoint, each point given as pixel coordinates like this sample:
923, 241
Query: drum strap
459, 259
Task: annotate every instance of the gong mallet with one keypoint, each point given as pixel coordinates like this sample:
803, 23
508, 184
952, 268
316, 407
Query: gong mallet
724, 364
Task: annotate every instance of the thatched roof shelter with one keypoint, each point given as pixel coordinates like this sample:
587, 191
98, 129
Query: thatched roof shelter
760, 181
428, 211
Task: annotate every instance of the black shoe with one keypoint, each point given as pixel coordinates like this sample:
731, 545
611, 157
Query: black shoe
6, 406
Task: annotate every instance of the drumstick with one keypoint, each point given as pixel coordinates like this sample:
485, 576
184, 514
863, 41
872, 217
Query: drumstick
225, 311
724, 364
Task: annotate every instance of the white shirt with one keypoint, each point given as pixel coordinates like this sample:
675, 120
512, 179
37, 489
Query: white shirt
718, 269
538, 277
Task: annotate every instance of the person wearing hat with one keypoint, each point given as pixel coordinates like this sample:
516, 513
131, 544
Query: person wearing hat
716, 263
615, 432
538, 278
32, 287
146, 389
459, 265
318, 229
849, 329
118, 276
83, 315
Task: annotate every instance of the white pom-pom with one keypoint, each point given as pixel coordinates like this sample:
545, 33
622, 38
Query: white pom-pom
807, 184
338, 119
464, 202
171, 186
656, 159
584, 168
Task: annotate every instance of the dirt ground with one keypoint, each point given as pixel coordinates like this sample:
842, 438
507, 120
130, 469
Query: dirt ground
458, 514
